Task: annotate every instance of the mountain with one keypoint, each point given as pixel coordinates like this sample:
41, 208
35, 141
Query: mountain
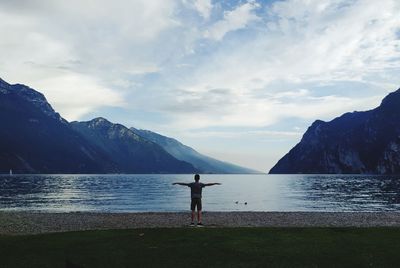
36, 139
131, 152
185, 153
359, 142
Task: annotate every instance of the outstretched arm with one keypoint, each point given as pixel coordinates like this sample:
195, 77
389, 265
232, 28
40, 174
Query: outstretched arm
181, 183
211, 184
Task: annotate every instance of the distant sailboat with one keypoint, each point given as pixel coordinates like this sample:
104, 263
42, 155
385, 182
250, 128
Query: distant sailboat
11, 172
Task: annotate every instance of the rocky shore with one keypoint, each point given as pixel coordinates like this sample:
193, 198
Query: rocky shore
18, 223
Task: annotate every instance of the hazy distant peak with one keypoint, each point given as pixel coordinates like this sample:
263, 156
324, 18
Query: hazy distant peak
185, 153
156, 136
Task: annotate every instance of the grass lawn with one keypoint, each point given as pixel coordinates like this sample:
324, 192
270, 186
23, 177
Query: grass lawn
206, 247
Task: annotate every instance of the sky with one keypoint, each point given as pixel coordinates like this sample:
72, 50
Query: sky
237, 80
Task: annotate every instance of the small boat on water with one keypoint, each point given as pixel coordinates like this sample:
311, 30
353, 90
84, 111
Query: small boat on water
11, 172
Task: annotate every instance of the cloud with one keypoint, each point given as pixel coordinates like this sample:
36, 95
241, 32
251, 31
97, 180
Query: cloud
310, 41
228, 108
204, 8
233, 20
76, 95
298, 45
156, 57
258, 134
83, 49
339, 37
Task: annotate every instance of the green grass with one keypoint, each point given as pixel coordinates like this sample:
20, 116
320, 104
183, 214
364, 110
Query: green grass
207, 247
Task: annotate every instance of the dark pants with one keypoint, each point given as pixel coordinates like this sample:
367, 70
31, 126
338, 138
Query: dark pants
196, 202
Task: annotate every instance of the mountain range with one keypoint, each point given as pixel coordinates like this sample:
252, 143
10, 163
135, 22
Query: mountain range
131, 152
36, 139
355, 143
188, 154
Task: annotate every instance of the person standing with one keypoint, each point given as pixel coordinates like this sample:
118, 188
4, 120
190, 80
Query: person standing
196, 189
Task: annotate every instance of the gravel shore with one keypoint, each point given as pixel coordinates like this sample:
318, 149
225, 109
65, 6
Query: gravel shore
17, 223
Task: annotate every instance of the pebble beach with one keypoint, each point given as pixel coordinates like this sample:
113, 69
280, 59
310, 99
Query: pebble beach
22, 223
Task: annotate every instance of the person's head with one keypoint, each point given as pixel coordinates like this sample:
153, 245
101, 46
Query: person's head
197, 177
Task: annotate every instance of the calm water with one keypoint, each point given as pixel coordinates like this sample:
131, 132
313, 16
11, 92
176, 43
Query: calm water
124, 193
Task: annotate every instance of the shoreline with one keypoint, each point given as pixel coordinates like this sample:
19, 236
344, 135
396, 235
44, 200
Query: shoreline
24, 223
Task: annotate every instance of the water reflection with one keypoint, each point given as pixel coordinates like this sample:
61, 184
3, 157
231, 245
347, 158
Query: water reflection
123, 193
348, 193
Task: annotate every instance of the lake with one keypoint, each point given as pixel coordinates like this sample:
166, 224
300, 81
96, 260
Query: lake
153, 192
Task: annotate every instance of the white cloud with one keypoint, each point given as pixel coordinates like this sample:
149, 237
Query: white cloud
339, 39
259, 134
204, 7
242, 110
74, 95
310, 41
114, 45
233, 20
303, 43
75, 51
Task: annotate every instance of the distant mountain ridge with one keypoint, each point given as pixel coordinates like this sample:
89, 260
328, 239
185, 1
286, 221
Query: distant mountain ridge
185, 153
36, 139
355, 143
132, 153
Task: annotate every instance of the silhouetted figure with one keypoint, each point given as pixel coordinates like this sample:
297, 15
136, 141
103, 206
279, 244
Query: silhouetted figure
196, 188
